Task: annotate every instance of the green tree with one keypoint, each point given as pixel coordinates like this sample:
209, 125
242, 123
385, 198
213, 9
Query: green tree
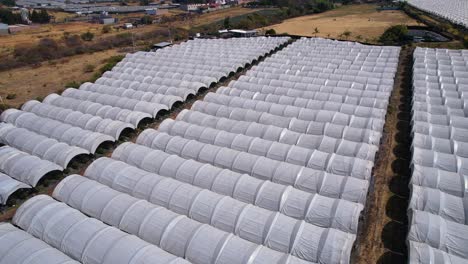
227, 22
146, 20
8, 2
394, 35
8, 17
270, 32
44, 17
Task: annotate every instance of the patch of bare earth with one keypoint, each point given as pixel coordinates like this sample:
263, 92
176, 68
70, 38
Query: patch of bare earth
364, 22
382, 238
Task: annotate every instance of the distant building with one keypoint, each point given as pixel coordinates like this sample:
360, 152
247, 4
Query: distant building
4, 29
151, 11
156, 11
191, 7
108, 20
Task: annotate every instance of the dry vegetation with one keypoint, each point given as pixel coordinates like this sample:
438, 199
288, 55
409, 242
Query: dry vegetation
219, 15
364, 22
29, 83
26, 83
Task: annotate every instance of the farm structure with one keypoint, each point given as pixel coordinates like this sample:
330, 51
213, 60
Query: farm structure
273, 168
455, 11
438, 209
46, 136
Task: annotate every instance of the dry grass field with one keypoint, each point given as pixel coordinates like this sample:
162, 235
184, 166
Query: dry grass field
29, 83
364, 22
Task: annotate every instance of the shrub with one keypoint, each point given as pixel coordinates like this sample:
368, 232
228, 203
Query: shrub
394, 35
88, 36
10, 96
106, 29
89, 68
270, 32
72, 84
73, 41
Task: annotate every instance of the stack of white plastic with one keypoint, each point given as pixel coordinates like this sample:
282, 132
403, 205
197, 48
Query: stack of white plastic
280, 170
439, 209
456, 11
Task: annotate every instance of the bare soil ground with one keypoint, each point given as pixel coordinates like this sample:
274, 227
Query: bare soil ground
382, 238
29, 83
364, 22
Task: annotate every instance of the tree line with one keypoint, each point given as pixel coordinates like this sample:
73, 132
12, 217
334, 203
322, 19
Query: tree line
11, 18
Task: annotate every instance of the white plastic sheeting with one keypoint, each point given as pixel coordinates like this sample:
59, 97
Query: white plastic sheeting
439, 205
358, 110
144, 87
38, 145
122, 102
439, 233
179, 235
168, 100
422, 253
24, 167
361, 127
305, 181
280, 133
72, 135
318, 93
85, 121
19, 247
8, 186
85, 239
177, 82
96, 109
265, 146
287, 114
254, 160
324, 212
452, 10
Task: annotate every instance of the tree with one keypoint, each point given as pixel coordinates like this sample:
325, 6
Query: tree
8, 2
88, 36
316, 31
270, 32
227, 22
146, 20
394, 35
39, 17
144, 2
8, 17
44, 17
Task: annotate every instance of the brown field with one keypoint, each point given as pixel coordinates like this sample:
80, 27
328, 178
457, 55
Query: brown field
363, 21
28, 83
